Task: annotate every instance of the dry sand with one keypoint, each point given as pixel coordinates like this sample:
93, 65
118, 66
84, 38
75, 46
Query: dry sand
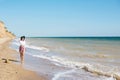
11, 71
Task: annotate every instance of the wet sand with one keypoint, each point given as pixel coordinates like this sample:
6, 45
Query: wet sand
11, 71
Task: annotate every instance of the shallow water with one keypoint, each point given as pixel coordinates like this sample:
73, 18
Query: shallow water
74, 58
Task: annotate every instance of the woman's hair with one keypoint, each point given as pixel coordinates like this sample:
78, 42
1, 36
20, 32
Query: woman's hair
22, 37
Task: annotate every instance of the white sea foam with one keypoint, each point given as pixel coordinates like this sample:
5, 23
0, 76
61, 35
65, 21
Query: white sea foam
99, 69
64, 74
60, 74
32, 47
38, 48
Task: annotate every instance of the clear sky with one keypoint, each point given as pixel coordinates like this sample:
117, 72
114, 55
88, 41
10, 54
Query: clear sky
61, 17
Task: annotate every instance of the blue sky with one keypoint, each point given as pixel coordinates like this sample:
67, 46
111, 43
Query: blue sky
61, 17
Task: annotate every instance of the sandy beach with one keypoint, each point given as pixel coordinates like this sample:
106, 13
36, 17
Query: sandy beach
9, 70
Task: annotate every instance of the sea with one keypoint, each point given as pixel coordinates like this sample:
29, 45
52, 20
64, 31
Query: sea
72, 58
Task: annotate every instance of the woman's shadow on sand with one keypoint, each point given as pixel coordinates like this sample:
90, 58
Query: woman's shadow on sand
8, 60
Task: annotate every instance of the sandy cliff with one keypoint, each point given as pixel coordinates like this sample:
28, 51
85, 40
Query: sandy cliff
4, 33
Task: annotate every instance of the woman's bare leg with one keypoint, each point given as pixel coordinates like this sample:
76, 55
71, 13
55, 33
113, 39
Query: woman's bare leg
22, 57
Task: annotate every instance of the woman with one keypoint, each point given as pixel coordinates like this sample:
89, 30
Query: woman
22, 48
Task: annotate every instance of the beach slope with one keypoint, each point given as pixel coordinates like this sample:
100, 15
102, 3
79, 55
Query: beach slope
9, 70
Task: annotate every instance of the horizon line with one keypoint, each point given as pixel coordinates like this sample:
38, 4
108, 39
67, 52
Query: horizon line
72, 36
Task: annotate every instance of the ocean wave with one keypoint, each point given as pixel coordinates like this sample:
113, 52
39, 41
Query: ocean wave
32, 47
38, 48
58, 75
67, 73
111, 72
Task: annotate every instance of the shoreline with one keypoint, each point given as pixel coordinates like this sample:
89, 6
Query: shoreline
56, 67
11, 71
